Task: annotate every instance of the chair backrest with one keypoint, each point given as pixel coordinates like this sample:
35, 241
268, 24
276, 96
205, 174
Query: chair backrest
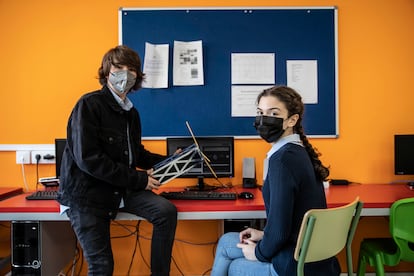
402, 227
325, 232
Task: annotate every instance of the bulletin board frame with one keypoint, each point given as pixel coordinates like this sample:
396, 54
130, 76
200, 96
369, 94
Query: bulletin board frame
292, 33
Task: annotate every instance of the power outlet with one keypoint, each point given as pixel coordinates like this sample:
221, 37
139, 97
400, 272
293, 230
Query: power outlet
23, 157
46, 156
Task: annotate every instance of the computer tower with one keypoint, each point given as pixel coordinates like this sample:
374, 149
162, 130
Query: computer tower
237, 225
41, 248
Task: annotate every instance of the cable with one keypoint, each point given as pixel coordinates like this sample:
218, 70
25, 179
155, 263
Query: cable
7, 226
79, 255
80, 258
199, 244
75, 261
135, 248
176, 265
214, 249
76, 258
131, 233
37, 169
138, 245
206, 272
24, 178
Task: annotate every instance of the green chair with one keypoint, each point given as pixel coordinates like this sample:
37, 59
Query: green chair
378, 252
325, 232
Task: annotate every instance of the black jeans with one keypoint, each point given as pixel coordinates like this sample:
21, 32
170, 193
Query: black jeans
93, 233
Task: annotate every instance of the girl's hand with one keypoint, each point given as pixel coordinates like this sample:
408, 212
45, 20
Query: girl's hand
248, 249
250, 234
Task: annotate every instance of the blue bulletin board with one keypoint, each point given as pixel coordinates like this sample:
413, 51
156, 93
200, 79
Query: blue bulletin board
289, 33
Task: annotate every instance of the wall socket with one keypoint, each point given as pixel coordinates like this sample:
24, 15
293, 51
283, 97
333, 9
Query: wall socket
46, 156
23, 157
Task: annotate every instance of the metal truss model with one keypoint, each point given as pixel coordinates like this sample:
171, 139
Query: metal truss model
178, 164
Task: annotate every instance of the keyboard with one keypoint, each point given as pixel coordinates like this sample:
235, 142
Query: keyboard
213, 195
41, 195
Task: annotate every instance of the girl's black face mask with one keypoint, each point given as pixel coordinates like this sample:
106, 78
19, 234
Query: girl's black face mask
269, 128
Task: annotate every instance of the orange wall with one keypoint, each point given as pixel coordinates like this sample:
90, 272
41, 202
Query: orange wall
50, 51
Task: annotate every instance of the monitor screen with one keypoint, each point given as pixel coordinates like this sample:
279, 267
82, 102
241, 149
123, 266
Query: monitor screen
59, 148
404, 154
218, 149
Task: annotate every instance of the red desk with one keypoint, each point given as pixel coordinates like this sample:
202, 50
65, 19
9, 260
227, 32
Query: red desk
18, 208
9, 192
377, 200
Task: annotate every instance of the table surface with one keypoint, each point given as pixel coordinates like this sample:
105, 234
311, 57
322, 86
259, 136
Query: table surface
373, 195
6, 192
377, 199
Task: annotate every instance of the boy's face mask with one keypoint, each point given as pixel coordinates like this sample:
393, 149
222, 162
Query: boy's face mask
122, 80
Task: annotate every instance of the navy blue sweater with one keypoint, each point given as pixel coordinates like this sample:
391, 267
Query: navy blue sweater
290, 189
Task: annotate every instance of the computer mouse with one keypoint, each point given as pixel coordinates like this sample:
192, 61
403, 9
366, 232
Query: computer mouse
246, 195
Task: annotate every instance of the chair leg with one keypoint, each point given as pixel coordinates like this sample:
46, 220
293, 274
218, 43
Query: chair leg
361, 265
379, 267
299, 271
349, 265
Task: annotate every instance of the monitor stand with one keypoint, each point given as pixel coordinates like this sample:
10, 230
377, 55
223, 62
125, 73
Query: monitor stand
201, 186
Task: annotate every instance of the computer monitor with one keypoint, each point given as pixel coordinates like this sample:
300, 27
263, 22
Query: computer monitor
60, 144
218, 149
404, 154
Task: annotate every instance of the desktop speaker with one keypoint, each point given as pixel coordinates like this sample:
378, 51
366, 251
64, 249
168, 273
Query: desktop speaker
249, 172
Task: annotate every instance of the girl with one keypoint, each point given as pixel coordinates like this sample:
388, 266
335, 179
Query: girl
293, 185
